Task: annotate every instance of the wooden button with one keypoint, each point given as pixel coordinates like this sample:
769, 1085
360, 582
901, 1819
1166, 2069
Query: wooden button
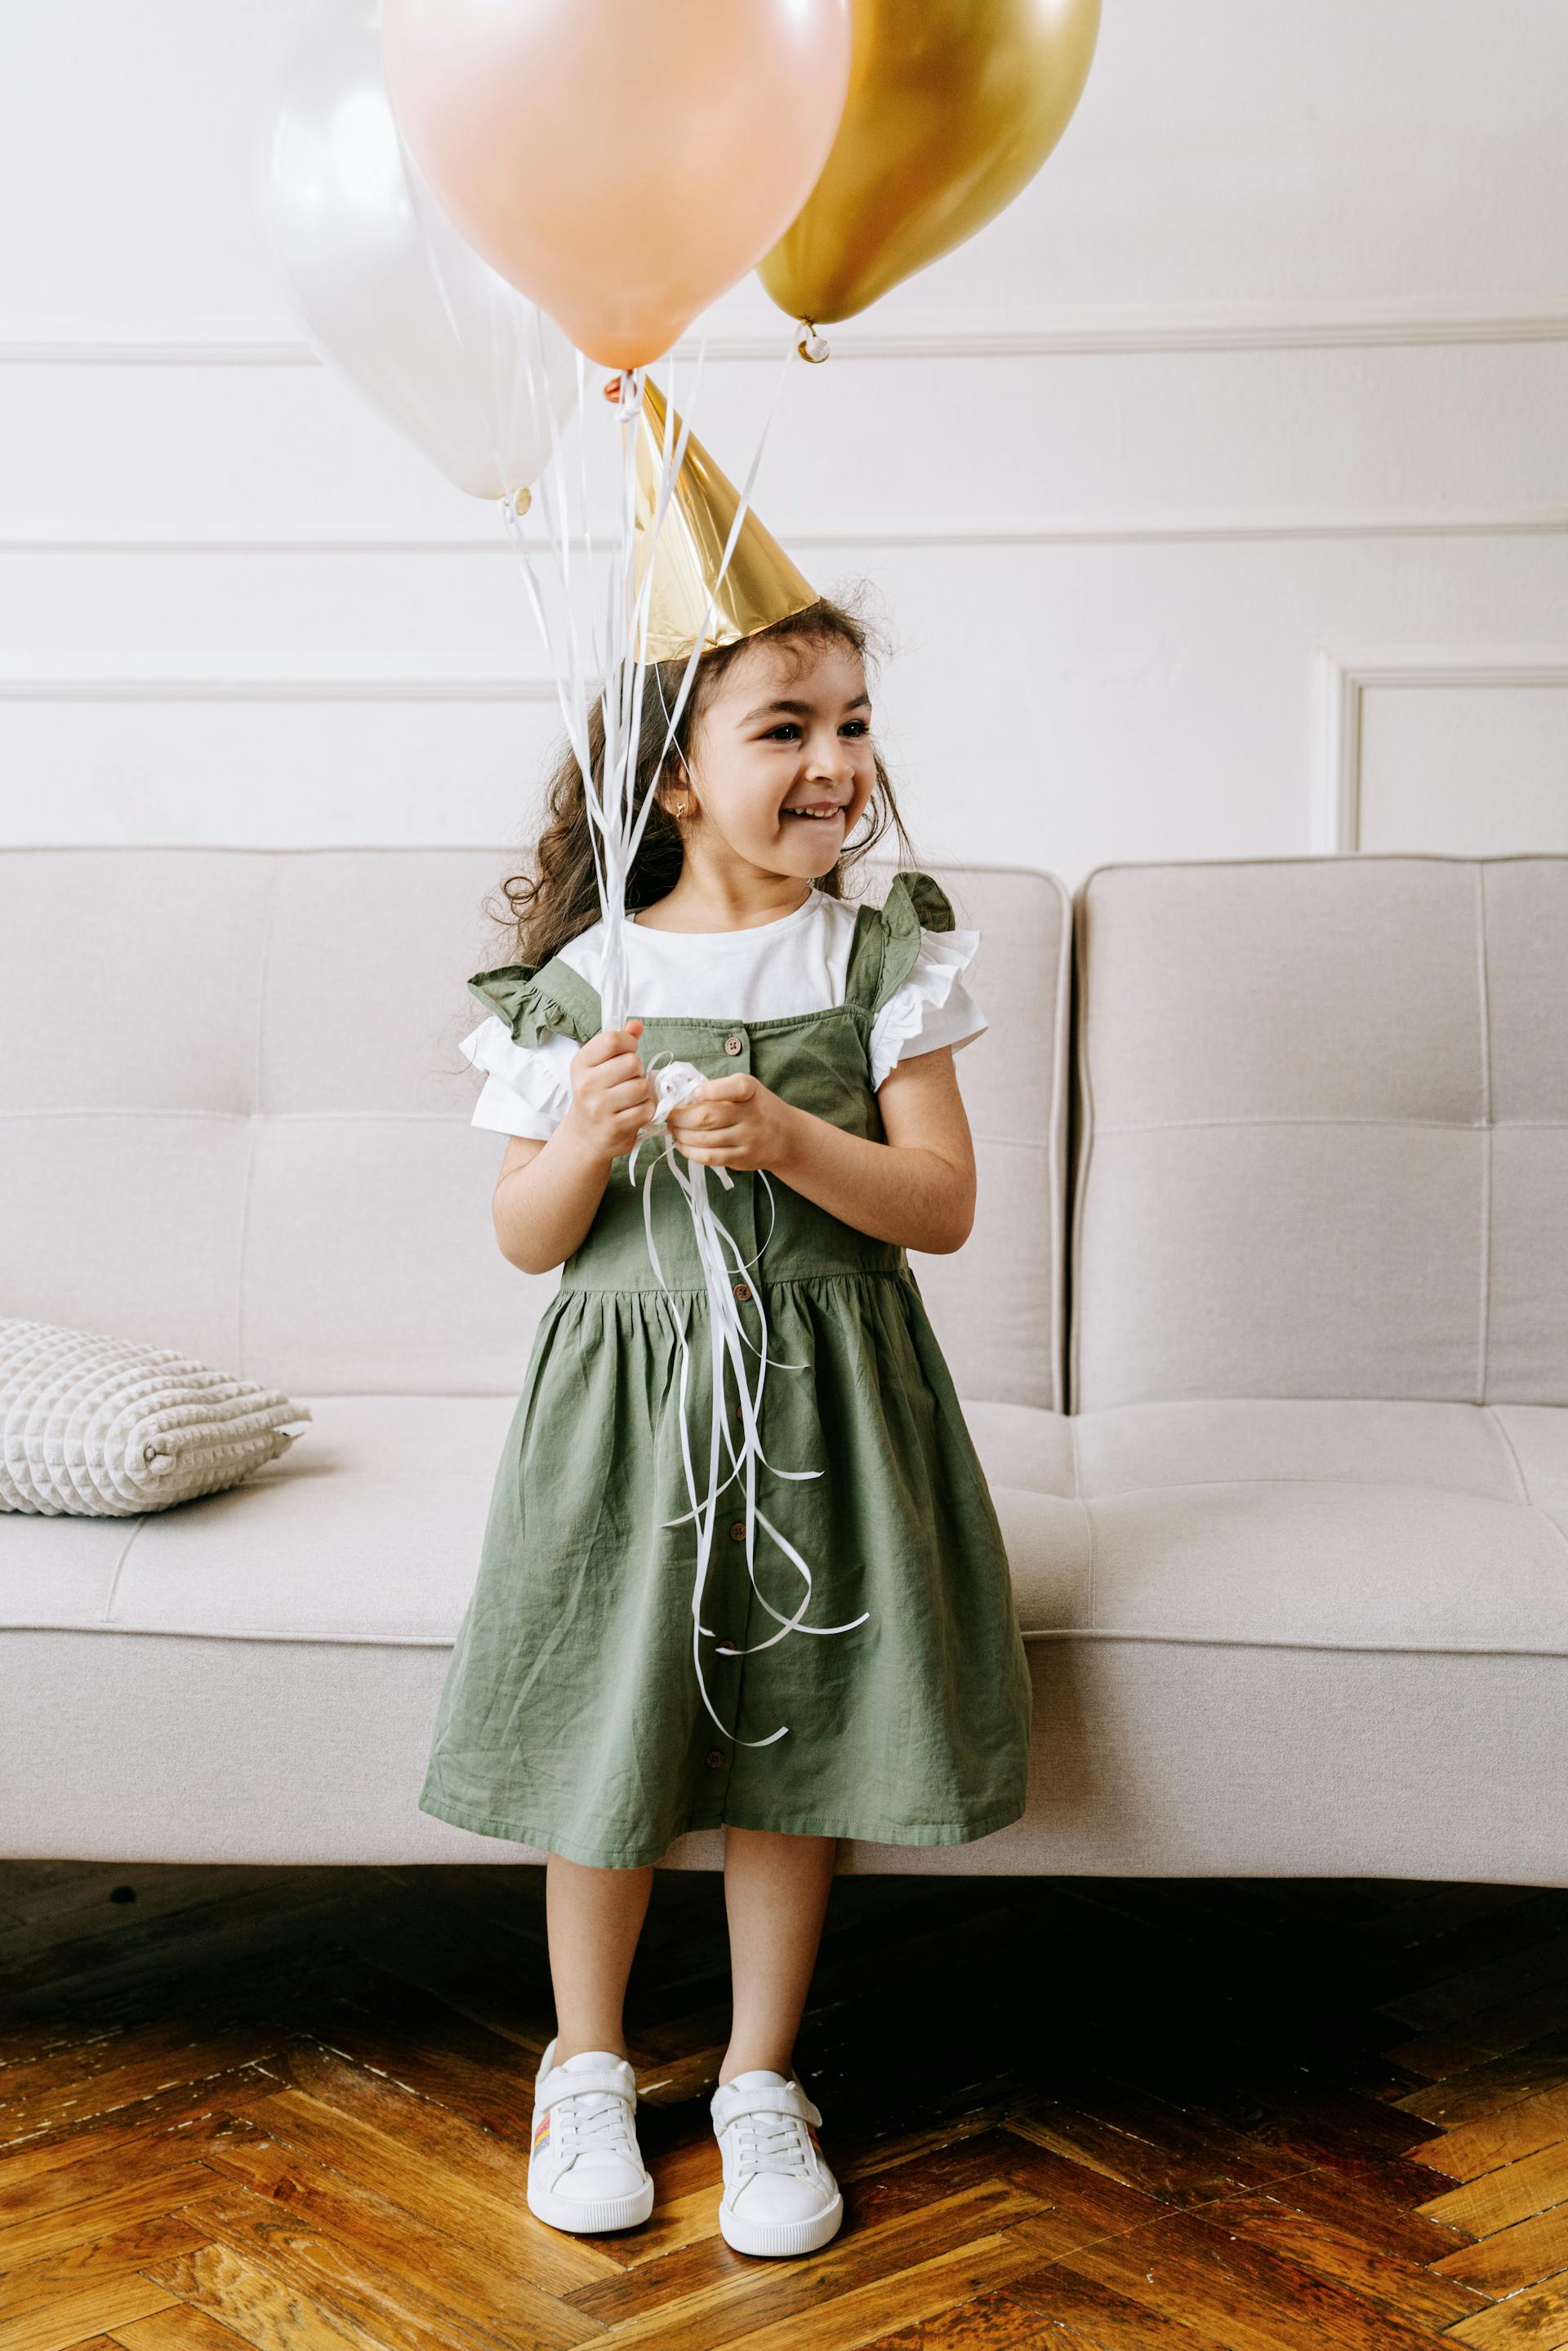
743, 1289
715, 1760
734, 1044
738, 1531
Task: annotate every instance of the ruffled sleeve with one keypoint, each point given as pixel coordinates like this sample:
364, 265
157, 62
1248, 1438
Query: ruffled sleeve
527, 1090
526, 1048
931, 1008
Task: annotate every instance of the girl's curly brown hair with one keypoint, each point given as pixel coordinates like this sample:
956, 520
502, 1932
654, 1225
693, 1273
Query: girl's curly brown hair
560, 897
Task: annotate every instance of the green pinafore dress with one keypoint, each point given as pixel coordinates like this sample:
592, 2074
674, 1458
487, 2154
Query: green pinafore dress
572, 1719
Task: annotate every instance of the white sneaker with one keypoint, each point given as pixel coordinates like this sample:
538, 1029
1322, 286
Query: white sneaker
779, 2196
585, 2167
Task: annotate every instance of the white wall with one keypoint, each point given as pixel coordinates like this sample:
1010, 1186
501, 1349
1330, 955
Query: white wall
1217, 495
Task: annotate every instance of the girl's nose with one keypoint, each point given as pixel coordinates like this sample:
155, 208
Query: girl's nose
835, 767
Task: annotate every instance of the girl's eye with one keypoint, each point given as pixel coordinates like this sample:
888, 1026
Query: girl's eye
791, 727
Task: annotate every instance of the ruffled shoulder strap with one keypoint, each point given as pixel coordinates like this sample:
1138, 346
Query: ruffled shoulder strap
886, 944
532, 997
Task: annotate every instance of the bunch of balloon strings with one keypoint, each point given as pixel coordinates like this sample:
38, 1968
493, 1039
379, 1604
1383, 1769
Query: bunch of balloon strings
618, 656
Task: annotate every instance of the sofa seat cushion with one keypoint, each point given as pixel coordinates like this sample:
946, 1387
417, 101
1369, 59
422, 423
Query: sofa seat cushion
1309, 1522
1293, 1522
368, 1530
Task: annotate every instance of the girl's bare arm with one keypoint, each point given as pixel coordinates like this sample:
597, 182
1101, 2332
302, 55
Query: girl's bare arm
548, 1193
916, 1189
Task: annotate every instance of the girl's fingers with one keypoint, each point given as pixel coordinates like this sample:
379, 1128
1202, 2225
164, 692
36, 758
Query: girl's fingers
607, 1043
701, 1130
622, 1071
712, 1137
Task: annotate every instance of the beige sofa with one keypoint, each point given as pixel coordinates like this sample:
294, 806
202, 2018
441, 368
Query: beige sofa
1262, 1332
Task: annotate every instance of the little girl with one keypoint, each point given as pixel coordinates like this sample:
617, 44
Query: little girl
572, 1719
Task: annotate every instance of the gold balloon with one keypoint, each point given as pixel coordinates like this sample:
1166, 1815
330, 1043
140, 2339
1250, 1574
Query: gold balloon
760, 585
953, 106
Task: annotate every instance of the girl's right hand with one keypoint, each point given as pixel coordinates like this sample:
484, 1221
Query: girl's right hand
613, 1096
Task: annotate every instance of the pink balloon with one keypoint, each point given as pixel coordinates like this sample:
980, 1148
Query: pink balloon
620, 161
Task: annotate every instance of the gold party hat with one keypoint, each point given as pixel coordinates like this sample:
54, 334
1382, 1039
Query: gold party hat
760, 585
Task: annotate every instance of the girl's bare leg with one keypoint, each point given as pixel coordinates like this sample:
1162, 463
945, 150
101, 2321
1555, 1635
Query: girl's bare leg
594, 1918
776, 1890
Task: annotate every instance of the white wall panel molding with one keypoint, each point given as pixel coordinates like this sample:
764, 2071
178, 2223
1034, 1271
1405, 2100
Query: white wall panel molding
1545, 522
129, 681
1014, 333
1173, 449
1345, 679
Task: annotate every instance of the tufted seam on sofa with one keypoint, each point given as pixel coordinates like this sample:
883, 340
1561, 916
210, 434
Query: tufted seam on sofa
1509, 1446
320, 1640
1497, 1421
1079, 1497
1081, 1098
1483, 1305
1313, 1477
253, 1123
1310, 1648
1325, 1118
119, 1569
1059, 1116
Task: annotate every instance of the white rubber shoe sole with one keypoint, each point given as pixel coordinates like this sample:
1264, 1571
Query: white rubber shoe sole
585, 2216
780, 2236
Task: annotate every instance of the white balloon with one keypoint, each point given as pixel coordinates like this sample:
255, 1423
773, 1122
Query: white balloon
361, 239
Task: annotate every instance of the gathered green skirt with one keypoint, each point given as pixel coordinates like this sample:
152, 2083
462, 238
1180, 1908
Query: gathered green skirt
572, 1719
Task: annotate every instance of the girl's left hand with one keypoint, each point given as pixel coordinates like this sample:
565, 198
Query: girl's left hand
734, 1122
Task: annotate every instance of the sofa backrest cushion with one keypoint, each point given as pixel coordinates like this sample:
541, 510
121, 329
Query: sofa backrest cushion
1321, 1130
234, 1120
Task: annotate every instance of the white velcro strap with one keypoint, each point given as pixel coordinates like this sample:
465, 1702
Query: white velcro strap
563, 2084
789, 2098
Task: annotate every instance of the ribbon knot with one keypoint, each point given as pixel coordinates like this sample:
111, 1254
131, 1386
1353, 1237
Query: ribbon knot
674, 1084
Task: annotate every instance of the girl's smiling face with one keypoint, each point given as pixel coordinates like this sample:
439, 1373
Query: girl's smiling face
788, 730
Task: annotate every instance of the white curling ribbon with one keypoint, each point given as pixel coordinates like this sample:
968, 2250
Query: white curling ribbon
675, 1082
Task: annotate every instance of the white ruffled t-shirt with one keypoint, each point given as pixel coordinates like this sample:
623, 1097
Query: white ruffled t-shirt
798, 964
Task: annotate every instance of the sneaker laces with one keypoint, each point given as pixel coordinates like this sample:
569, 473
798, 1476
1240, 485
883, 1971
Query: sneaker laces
774, 2142
597, 2122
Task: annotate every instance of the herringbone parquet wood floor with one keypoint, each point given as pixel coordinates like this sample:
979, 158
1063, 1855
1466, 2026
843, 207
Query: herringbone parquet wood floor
290, 2108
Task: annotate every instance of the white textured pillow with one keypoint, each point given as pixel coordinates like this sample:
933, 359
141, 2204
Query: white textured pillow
102, 1429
